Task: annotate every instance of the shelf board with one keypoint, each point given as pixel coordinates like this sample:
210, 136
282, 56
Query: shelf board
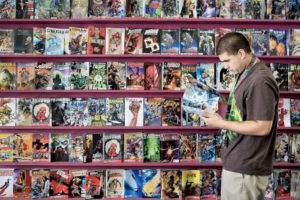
283, 94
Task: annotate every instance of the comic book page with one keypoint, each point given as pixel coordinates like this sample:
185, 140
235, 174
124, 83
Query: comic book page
152, 111
61, 76
169, 148
169, 41
282, 147
22, 183
23, 40
6, 182
115, 183
78, 40
8, 111
133, 147
39, 40
116, 112
97, 8
113, 147
133, 41
6, 147
134, 111
152, 8
133, 182
96, 40
171, 184
95, 184
151, 41
79, 77
59, 184
115, 40
40, 147
43, 75
97, 109
59, 147
170, 8
206, 148
151, 148
191, 184
77, 187
135, 8
135, 76
60, 9
277, 42
42, 9
206, 42
8, 10
171, 76
151, 183
188, 147
7, 45
7, 76
208, 185
206, 8
116, 8
22, 147
76, 148
189, 41
41, 112
295, 112
153, 76
79, 9
40, 183
26, 76
97, 76
171, 113
54, 41
116, 73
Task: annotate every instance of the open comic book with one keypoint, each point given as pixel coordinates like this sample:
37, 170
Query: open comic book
199, 98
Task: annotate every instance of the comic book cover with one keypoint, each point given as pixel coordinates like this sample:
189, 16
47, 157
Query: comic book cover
220, 32
295, 149
97, 111
151, 148
295, 186
76, 147
206, 8
79, 76
6, 183
77, 186
284, 112
294, 77
88, 148
115, 40
97, 76
282, 147
170, 184
294, 42
39, 40
59, 107
43, 75
206, 148
247, 32
205, 74
8, 9
116, 112
280, 73
40, 183
189, 41
224, 78
97, 8
135, 76
61, 76
26, 76
189, 118
115, 183
133, 43
169, 148
151, 41
260, 42
22, 183
78, 40
98, 147
133, 183
258, 9
54, 41
282, 182
7, 39
276, 9
79, 9
113, 147
277, 42
187, 69
59, 147
40, 147
42, 9
24, 112
223, 9
134, 112
153, 76
41, 112
169, 41
95, 184
152, 8
171, 113
295, 112
59, 184
8, 111
206, 42
218, 139
270, 189
151, 183
66, 42
6, 147
135, 8
79, 112
170, 8
133, 147
238, 9
292, 9
187, 9
152, 111
96, 40
22, 147
8, 76
116, 73
190, 184
187, 147
208, 187
116, 8
171, 76
60, 9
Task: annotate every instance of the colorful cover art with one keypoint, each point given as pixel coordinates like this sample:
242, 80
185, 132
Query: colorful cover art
135, 76
98, 147
153, 76
206, 74
171, 184
42, 9
22, 183
95, 184
60, 77
280, 73
59, 184
22, 147
133, 41
97, 8
152, 111
7, 45
187, 9
295, 112
97, 111
6, 147
88, 148
258, 9
116, 112
206, 148
43, 75
277, 42
208, 187
151, 148
187, 70
116, 74
294, 77
134, 111
79, 112
41, 112
25, 76
79, 9
7, 76
78, 40
169, 41
115, 40
284, 112
97, 76
295, 148
188, 147
39, 40
282, 184
116, 8
59, 147
79, 77
276, 9
115, 183
189, 41
76, 147
59, 108
170, 8
113, 147
135, 8
260, 42
169, 148
40, 147
23, 40
206, 42
8, 111
152, 8
224, 78
151, 41
282, 147
77, 187
133, 182
292, 9
171, 76
206, 8
40, 183
151, 183
6, 183
8, 9
190, 184
54, 41
96, 40
171, 113
60, 9
133, 147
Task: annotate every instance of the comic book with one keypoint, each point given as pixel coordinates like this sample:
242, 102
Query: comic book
22, 147
206, 9
190, 184
6, 147
115, 112
294, 42
189, 41
282, 147
258, 9
206, 74
223, 9
40, 183
224, 78
295, 112
294, 77
292, 9
60, 9
282, 184
59, 147
79, 112
135, 8
135, 76
22, 183
54, 41
187, 69
41, 112
206, 147
170, 184
76, 147
277, 42
115, 40
97, 111
294, 148
40, 147
208, 187
79, 76
6, 183
169, 148
24, 112
115, 183
133, 183
220, 32
39, 40
59, 184
151, 183
260, 42
97, 76
171, 113
295, 186
152, 8
95, 184
43, 75
26, 76
98, 147
187, 147
97, 8
284, 113
58, 108
170, 8
134, 112
270, 189
169, 41
8, 76
237, 9
218, 146
206, 42
7, 45
8, 111
96, 40
67, 41
77, 186
152, 111
280, 73
276, 9
78, 40
88, 148
42, 9
79, 9
151, 41
133, 147
247, 32
153, 76
113, 147
187, 9
171, 76
61, 76
116, 73
247, 14
116, 8
8, 9
133, 43
151, 147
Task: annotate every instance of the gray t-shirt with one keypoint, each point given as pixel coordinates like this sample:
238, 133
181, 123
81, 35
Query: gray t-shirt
255, 98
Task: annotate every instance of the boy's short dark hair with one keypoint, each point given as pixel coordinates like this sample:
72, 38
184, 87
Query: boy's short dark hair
232, 42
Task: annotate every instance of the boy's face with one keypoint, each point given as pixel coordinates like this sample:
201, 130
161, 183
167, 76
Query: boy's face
232, 62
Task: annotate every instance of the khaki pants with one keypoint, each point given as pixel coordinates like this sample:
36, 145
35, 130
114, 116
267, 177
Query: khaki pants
236, 186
